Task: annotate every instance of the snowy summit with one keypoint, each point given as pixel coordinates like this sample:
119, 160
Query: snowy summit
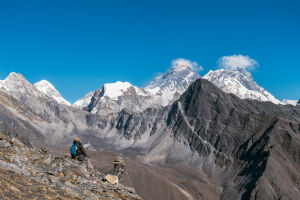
16, 85
177, 79
239, 82
47, 88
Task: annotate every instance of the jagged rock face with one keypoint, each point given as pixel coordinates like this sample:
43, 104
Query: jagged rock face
210, 113
241, 83
48, 89
250, 139
30, 174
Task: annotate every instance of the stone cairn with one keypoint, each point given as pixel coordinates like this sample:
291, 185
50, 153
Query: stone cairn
119, 167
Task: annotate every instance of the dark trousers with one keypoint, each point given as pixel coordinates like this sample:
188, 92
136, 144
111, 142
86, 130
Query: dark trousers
81, 157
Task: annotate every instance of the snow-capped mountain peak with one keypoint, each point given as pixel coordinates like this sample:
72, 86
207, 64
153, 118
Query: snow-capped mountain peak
176, 80
181, 64
239, 82
16, 85
47, 88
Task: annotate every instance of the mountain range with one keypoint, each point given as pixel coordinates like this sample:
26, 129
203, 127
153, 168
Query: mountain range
162, 91
194, 138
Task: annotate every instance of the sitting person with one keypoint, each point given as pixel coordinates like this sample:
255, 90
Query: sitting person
77, 150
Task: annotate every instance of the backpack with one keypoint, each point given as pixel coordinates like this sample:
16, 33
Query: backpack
73, 150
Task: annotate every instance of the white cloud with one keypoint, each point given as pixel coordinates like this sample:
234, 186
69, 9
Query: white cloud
237, 61
184, 62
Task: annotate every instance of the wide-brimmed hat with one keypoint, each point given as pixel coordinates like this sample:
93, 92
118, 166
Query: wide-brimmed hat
77, 139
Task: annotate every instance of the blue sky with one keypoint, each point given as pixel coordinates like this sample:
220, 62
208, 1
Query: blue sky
80, 45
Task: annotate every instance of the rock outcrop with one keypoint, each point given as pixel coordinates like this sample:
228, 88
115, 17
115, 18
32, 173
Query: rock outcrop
26, 173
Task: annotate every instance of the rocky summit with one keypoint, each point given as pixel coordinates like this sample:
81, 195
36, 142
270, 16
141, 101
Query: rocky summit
27, 173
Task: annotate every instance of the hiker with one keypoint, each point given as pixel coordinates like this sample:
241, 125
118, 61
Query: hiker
77, 150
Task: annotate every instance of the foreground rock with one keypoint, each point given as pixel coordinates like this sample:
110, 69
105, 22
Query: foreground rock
27, 173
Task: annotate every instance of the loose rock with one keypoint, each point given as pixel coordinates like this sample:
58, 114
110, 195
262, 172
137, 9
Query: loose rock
112, 179
4, 144
40, 175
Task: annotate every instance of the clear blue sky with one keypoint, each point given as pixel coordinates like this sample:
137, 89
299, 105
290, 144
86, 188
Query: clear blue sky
80, 45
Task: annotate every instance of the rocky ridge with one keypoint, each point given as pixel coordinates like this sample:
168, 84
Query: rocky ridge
27, 173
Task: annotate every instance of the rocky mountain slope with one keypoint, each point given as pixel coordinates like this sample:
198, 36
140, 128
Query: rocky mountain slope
241, 143
239, 82
47, 88
240, 148
244, 140
37, 174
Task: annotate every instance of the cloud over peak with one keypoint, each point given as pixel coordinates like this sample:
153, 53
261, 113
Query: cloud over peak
237, 61
181, 62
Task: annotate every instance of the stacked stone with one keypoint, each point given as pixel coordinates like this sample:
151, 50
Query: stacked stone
119, 167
